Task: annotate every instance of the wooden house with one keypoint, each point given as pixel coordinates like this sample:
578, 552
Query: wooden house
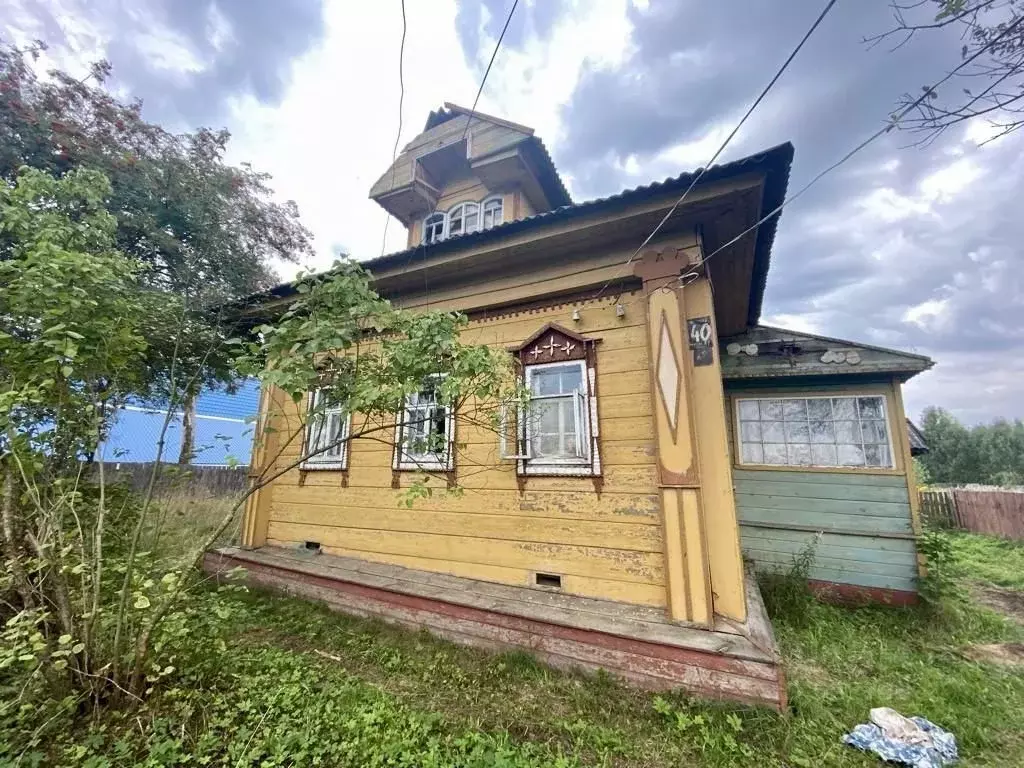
685, 441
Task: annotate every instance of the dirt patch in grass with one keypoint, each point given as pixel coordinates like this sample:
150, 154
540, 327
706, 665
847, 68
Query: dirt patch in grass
1008, 654
1009, 602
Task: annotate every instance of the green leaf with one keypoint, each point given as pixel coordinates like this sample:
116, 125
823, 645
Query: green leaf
64, 639
141, 602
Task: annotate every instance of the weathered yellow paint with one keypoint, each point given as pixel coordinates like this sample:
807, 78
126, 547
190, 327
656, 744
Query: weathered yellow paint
901, 437
602, 535
724, 559
675, 575
578, 560
608, 589
695, 556
265, 453
676, 450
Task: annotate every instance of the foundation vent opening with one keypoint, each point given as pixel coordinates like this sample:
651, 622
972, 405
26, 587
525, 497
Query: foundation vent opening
550, 580
312, 546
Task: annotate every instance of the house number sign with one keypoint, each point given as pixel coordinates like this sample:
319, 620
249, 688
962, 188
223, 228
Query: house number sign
700, 333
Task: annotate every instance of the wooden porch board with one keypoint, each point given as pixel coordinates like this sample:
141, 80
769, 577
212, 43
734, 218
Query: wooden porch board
635, 643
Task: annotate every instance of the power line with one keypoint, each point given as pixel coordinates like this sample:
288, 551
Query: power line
497, 45
893, 122
702, 171
398, 136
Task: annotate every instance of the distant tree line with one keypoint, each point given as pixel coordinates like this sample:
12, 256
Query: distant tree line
990, 454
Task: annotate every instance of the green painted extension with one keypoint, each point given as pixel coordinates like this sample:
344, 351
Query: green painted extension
858, 524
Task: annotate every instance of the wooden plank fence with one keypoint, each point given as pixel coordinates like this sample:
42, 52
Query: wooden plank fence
195, 480
993, 512
938, 509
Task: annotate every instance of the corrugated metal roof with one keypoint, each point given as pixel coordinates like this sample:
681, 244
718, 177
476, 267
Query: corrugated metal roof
774, 163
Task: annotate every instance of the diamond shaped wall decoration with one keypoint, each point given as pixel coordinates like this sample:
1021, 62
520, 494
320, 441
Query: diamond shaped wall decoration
668, 374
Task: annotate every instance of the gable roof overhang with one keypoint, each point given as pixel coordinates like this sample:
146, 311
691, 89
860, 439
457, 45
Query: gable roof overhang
730, 198
766, 353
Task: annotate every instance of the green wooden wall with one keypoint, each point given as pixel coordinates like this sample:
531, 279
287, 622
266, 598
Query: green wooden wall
866, 538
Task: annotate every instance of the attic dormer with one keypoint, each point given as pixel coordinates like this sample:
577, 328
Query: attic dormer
466, 172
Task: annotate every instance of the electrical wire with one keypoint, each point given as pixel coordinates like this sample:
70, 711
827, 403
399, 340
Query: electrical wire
487, 71
732, 134
889, 126
398, 136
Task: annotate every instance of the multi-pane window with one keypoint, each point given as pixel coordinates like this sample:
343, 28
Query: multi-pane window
326, 433
556, 420
463, 219
815, 431
492, 213
425, 430
433, 228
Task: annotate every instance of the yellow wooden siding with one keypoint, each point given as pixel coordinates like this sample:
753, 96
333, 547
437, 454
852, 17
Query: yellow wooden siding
603, 536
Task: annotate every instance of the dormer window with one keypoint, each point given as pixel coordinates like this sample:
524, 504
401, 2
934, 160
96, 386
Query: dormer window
463, 219
493, 212
433, 228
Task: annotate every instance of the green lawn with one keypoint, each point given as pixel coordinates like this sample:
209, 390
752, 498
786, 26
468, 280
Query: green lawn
273, 681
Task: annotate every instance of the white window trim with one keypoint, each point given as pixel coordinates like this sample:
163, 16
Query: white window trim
892, 466
447, 218
585, 466
404, 461
322, 460
444, 227
483, 205
464, 205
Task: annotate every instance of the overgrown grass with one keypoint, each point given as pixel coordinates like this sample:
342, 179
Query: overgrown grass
278, 681
989, 560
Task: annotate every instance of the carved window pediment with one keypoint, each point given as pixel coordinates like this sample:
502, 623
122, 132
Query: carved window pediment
554, 344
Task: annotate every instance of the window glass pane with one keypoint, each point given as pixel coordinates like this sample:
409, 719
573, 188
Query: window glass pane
870, 407
876, 455
819, 408
844, 408
750, 430
874, 432
774, 453
824, 455
798, 453
819, 431
847, 432
797, 432
751, 453
749, 410
794, 410
559, 380
851, 456
553, 429
773, 431
822, 431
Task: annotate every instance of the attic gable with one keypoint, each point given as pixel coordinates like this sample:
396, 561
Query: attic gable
458, 143
767, 352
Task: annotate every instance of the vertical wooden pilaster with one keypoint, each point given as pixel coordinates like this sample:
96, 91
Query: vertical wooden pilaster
702, 554
257, 506
688, 578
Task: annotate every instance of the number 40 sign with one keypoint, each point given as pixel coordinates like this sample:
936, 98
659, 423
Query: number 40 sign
700, 333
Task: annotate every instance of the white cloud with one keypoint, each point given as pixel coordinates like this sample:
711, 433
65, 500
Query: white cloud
947, 182
929, 315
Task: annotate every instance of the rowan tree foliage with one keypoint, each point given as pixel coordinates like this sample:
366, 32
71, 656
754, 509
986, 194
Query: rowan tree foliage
988, 82
207, 231
89, 609
989, 454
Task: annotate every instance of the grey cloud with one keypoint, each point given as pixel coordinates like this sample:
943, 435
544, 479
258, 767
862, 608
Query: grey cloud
853, 271
244, 48
532, 18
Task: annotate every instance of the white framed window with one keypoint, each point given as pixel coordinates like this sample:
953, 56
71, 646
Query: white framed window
327, 431
815, 431
425, 431
463, 219
434, 228
493, 213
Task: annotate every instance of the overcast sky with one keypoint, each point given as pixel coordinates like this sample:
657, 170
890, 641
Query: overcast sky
916, 248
